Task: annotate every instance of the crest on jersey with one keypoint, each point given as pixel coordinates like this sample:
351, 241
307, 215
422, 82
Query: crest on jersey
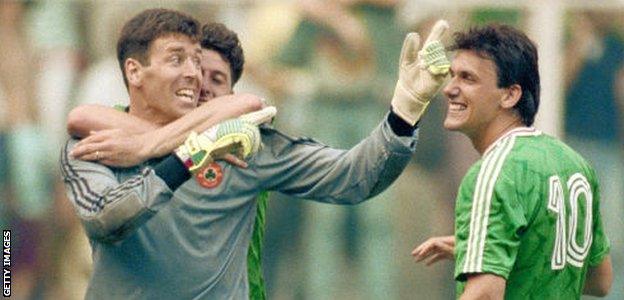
210, 176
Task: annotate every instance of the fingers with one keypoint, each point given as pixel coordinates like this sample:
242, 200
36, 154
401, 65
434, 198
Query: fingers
235, 161
91, 139
420, 248
445, 248
437, 31
436, 249
261, 116
448, 240
84, 150
97, 137
423, 251
437, 257
88, 153
90, 149
409, 52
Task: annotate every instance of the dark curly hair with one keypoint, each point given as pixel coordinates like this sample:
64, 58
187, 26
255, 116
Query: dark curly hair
515, 57
138, 34
217, 37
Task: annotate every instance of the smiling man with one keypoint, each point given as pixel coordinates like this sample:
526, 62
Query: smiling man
160, 235
222, 66
160, 56
527, 215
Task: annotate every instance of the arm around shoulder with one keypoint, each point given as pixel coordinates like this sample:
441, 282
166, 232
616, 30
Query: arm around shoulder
109, 209
84, 119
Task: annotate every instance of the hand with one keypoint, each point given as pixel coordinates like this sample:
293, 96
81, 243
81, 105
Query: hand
436, 249
116, 148
112, 147
420, 75
238, 137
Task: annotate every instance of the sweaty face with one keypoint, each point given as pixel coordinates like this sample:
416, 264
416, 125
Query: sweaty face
172, 80
217, 76
472, 94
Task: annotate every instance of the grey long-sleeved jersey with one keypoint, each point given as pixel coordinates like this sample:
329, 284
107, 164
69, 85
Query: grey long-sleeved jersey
150, 242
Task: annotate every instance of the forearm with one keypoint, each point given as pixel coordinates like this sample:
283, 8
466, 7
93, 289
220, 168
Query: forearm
84, 119
313, 171
599, 279
484, 286
165, 139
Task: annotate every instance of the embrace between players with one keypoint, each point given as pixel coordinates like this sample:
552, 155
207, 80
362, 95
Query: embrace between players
167, 217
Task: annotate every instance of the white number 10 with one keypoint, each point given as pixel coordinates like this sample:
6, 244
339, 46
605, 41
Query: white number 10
566, 249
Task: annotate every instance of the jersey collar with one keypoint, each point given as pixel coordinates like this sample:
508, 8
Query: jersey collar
518, 131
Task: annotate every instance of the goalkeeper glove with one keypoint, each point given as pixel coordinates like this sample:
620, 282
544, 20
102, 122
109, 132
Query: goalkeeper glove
240, 137
421, 76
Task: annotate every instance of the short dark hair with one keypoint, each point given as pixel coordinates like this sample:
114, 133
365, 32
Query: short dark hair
515, 57
217, 37
139, 32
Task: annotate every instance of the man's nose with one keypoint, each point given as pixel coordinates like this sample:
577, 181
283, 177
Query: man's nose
451, 89
191, 70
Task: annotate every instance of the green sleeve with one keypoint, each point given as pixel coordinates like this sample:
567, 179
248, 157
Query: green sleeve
489, 219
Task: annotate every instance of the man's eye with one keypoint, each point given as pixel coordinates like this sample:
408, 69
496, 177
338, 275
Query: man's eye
467, 77
176, 59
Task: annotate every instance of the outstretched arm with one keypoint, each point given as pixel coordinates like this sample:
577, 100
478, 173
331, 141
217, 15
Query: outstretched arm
133, 144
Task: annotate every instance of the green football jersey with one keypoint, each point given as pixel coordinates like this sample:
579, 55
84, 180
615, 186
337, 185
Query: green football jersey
529, 211
257, 289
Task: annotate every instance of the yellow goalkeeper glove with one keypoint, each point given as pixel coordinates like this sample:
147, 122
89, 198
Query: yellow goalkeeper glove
240, 137
421, 75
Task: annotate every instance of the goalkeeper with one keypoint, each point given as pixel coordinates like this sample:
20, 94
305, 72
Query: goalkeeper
223, 60
157, 235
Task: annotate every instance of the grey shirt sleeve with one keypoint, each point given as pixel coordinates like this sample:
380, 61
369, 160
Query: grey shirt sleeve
307, 169
110, 209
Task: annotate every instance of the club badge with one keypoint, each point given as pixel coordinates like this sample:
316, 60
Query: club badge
210, 176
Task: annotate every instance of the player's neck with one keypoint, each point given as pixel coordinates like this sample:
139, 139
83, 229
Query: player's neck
493, 132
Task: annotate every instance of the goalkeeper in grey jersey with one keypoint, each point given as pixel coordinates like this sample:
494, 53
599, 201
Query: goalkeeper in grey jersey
157, 234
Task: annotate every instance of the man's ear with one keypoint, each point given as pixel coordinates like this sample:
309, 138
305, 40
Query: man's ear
134, 72
511, 96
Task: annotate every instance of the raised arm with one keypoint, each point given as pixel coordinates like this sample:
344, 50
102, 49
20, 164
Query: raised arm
310, 170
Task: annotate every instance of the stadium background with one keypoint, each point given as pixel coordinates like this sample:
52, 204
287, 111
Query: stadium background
330, 68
